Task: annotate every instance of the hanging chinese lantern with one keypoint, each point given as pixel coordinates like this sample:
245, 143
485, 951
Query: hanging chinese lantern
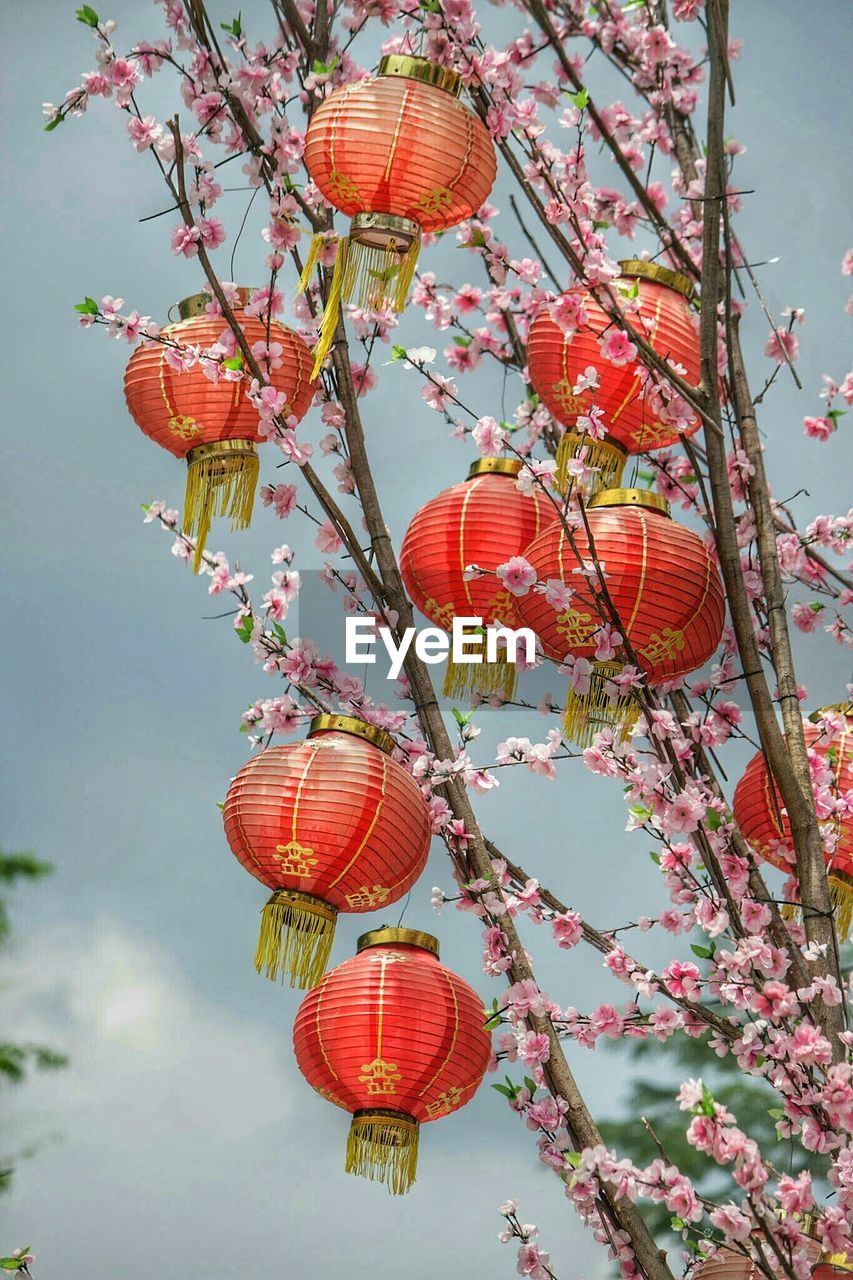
484, 521
329, 824
763, 819
400, 155
833, 1266
726, 1263
213, 425
664, 586
395, 1039
632, 406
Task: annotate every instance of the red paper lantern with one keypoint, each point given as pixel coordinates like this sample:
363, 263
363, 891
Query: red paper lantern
729, 1264
399, 154
397, 1040
213, 425
632, 419
833, 1266
485, 520
664, 586
330, 824
763, 819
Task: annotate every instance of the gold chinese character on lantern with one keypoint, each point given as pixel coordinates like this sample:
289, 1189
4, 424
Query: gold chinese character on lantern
295, 859
380, 1077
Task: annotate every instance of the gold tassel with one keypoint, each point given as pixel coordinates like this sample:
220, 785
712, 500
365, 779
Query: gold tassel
296, 936
221, 481
383, 1146
318, 243
464, 679
841, 893
588, 713
608, 457
332, 308
373, 275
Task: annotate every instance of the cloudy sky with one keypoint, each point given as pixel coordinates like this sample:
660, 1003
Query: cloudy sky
182, 1141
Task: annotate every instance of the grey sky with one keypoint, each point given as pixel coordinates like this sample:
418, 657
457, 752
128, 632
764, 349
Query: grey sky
183, 1141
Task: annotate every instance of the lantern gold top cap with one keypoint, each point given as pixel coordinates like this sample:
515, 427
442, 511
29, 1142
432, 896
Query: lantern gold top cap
348, 724
195, 305
838, 1260
387, 935
630, 498
404, 64
642, 269
495, 466
839, 708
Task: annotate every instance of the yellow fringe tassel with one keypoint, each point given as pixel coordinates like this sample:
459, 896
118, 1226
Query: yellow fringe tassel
296, 936
221, 481
603, 454
383, 1146
588, 713
375, 276
841, 893
318, 243
464, 679
841, 896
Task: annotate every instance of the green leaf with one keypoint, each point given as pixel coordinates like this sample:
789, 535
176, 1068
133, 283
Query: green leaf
54, 124
777, 1113
220, 804
323, 68
460, 719
492, 1020
707, 1101
463, 342
677, 1224
397, 353
244, 630
234, 27
235, 362
655, 857
713, 821
89, 307
640, 811
835, 414
504, 1091
580, 99
280, 632
87, 16
573, 1158
704, 953
530, 1085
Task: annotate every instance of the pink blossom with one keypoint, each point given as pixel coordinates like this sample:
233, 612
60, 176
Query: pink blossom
567, 929
617, 348
517, 575
782, 343
489, 437
185, 240
819, 428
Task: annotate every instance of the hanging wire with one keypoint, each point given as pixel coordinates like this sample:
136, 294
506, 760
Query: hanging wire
405, 908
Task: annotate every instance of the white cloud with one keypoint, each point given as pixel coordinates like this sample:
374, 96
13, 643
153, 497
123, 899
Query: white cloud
145, 1050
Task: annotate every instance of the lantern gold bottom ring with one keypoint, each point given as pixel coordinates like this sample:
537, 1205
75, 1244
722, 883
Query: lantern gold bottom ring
384, 231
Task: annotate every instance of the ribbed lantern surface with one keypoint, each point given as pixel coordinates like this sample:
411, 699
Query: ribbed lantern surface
556, 358
213, 424
396, 1039
729, 1264
329, 824
764, 822
485, 520
400, 146
400, 155
664, 586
